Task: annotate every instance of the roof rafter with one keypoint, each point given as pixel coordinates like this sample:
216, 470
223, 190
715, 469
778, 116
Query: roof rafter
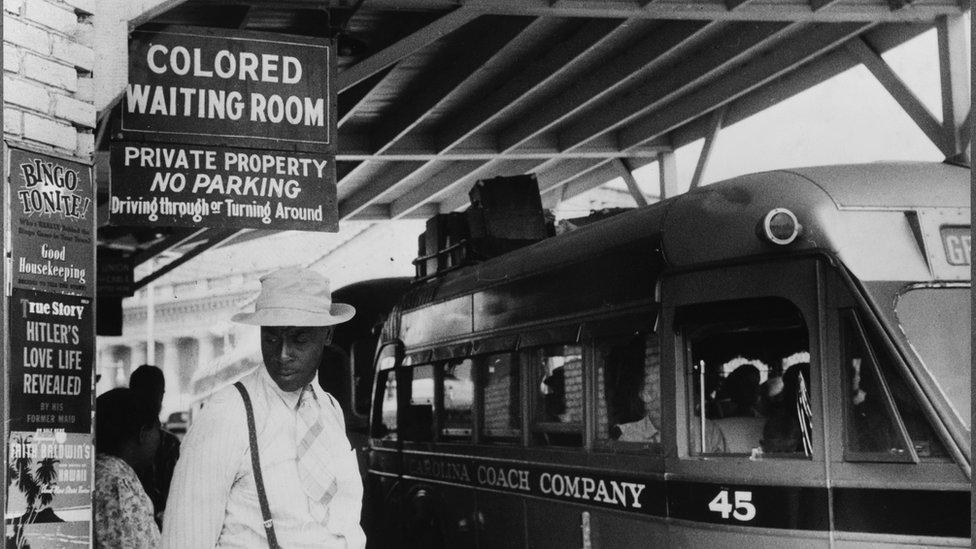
362, 197
759, 10
404, 47
710, 59
431, 89
538, 73
818, 70
650, 52
355, 97
654, 51
455, 174
749, 77
576, 56
422, 147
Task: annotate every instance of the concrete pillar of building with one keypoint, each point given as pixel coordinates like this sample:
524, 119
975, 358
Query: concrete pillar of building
138, 355
169, 363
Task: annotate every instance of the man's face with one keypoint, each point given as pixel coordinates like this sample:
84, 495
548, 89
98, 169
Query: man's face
292, 353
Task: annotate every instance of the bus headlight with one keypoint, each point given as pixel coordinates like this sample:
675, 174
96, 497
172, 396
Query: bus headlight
780, 226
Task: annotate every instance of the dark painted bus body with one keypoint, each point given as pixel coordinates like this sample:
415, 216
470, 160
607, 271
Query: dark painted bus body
587, 390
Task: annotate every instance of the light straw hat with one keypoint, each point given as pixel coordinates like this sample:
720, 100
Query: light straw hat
295, 297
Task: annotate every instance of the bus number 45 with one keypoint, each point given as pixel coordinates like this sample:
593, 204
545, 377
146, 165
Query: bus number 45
743, 509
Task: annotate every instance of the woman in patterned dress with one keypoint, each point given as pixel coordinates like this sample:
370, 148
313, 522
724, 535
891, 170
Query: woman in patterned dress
126, 437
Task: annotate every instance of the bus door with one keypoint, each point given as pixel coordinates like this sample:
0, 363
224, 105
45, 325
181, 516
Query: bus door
744, 416
894, 480
438, 501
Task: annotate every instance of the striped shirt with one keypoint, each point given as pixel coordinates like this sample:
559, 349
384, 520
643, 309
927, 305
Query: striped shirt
213, 499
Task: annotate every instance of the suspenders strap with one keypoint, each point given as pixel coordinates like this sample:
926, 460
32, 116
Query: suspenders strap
256, 467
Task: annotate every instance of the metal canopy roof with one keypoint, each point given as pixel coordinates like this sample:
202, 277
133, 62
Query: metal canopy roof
436, 94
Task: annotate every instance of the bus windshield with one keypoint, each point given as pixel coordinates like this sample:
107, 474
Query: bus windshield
937, 323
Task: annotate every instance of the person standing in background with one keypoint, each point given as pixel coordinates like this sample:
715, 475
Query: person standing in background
126, 437
147, 382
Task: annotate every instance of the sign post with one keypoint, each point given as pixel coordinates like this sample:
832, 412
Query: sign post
49, 328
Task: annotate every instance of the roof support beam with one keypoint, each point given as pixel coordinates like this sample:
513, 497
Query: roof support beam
753, 11
909, 102
404, 47
557, 176
581, 49
954, 72
654, 51
714, 127
733, 5
381, 212
624, 170
964, 133
595, 177
454, 173
818, 5
432, 87
213, 238
668, 168
710, 58
542, 71
744, 79
352, 148
355, 97
368, 193
818, 70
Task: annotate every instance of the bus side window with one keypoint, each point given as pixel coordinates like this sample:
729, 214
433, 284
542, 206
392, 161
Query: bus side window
875, 430
385, 419
629, 387
749, 379
499, 380
417, 423
557, 376
458, 387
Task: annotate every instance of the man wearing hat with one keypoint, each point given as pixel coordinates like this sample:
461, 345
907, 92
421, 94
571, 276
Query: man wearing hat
308, 469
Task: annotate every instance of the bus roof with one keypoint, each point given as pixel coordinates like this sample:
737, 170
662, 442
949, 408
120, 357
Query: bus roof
900, 185
718, 222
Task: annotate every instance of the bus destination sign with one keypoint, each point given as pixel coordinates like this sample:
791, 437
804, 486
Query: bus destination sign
957, 242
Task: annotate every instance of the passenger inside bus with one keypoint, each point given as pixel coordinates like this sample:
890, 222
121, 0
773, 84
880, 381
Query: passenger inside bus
558, 417
788, 428
746, 386
740, 421
632, 390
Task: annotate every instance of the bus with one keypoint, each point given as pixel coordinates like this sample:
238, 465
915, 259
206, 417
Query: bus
780, 359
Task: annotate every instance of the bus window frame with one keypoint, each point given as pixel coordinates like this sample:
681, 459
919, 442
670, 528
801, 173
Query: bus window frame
698, 329
516, 438
619, 327
384, 351
849, 320
797, 278
405, 377
526, 361
846, 292
439, 411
